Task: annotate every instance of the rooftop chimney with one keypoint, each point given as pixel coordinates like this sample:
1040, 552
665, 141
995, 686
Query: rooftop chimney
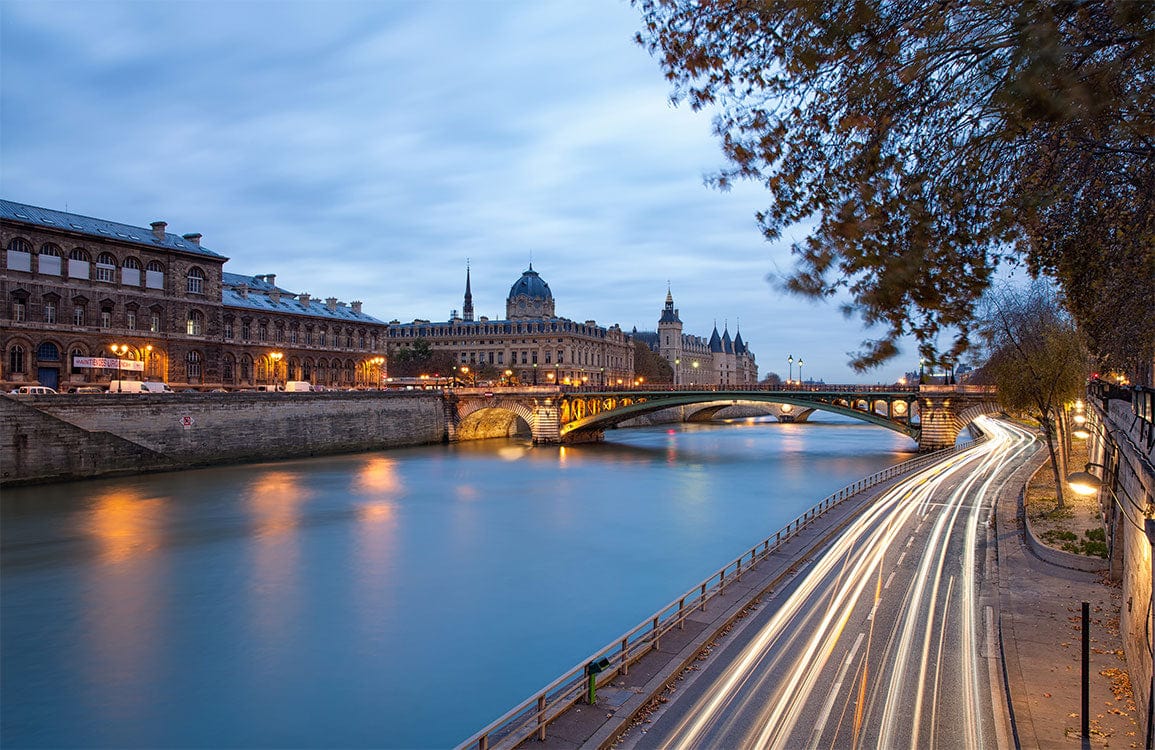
356, 305
194, 238
331, 303
243, 290
271, 278
158, 228
275, 296
304, 297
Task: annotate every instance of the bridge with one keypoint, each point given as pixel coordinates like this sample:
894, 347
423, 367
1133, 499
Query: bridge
931, 415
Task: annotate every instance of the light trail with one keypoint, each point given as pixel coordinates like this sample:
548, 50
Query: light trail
773, 693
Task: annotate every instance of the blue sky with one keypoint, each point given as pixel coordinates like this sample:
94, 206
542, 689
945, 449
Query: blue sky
365, 149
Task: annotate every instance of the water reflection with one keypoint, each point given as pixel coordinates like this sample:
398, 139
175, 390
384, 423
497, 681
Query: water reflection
345, 601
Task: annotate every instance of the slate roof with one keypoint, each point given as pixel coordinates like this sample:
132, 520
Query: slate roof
531, 285
45, 217
259, 300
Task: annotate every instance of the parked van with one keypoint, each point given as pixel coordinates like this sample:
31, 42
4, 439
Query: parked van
298, 386
33, 390
137, 386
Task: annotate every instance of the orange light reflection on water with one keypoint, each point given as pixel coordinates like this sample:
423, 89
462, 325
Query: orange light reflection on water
124, 523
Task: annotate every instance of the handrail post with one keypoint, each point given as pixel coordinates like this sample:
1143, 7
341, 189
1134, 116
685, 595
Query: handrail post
625, 668
702, 599
681, 615
541, 718
655, 634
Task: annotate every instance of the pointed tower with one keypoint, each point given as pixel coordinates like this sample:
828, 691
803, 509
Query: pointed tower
670, 337
467, 308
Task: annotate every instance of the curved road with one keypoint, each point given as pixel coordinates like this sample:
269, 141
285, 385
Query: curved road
883, 641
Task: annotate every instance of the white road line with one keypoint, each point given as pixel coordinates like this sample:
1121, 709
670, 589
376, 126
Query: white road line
835, 689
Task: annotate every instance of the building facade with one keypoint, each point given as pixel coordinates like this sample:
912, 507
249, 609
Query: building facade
532, 345
88, 300
716, 361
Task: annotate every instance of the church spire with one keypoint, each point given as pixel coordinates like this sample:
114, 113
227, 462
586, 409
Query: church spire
467, 308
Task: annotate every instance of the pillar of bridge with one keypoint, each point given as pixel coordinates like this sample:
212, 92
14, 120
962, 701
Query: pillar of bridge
546, 424
940, 423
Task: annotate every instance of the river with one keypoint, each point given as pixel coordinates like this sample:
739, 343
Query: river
399, 599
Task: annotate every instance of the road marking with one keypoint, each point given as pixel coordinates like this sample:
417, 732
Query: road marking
889, 579
823, 717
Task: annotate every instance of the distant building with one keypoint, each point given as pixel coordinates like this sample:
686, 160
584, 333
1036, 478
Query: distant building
532, 342
75, 286
718, 360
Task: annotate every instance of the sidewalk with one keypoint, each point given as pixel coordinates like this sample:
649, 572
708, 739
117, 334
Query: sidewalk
1040, 620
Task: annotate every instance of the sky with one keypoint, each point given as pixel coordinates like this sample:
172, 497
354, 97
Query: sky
370, 149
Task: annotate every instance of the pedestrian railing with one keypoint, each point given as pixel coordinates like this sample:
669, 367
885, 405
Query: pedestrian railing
531, 717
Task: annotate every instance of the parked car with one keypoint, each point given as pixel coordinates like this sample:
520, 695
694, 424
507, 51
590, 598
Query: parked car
33, 390
137, 386
298, 386
89, 389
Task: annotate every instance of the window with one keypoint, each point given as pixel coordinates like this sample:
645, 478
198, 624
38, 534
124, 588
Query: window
47, 352
196, 323
279, 334
19, 311
19, 255
293, 336
245, 331
154, 322
75, 354
196, 281
361, 340
229, 328
48, 261
49, 311
16, 359
154, 275
193, 365
322, 337
130, 272
106, 318
106, 268
130, 320
246, 368
227, 369
262, 332
78, 315
78, 265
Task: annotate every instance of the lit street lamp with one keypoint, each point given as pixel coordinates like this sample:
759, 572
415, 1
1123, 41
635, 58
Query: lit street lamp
276, 357
800, 370
119, 350
790, 361
379, 362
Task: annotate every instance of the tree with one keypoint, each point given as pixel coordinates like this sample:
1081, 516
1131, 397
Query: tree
420, 359
1037, 361
772, 379
929, 142
650, 365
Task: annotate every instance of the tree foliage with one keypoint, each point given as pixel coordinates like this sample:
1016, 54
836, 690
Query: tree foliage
1036, 358
650, 365
420, 359
925, 143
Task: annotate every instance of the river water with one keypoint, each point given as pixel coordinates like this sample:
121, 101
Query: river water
400, 599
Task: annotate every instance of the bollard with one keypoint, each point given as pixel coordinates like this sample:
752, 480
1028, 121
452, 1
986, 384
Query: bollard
593, 669
1086, 669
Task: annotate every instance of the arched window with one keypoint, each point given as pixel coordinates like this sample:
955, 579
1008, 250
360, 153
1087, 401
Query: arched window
48, 261
16, 359
196, 323
106, 268
48, 352
78, 263
193, 365
227, 368
246, 369
196, 281
154, 275
19, 255
72, 361
130, 272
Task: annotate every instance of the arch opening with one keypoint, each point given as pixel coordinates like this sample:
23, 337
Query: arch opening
492, 422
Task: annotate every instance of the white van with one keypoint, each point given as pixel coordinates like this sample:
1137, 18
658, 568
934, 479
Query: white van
298, 386
137, 386
33, 390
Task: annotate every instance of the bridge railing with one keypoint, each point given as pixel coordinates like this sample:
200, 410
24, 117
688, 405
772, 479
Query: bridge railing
531, 717
754, 387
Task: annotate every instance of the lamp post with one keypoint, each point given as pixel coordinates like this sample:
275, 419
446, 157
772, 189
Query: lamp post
535, 373
119, 350
790, 361
379, 362
695, 376
509, 378
147, 355
800, 371
275, 358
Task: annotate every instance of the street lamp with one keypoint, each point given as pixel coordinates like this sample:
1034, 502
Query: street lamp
790, 361
465, 374
119, 350
509, 377
800, 371
276, 357
147, 354
379, 362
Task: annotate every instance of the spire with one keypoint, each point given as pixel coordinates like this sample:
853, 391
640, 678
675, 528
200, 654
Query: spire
467, 308
669, 314
739, 344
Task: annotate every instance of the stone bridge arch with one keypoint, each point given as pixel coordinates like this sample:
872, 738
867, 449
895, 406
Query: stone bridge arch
478, 420
782, 412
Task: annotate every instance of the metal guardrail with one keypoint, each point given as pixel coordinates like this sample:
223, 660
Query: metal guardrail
532, 716
1142, 400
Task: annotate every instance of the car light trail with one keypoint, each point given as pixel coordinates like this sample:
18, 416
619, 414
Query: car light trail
890, 672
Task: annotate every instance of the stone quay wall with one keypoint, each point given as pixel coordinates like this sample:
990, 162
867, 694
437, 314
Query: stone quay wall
66, 437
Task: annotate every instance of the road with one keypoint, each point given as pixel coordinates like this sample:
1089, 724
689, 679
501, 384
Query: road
884, 640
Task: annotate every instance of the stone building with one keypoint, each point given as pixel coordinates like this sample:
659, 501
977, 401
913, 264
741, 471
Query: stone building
532, 343
718, 360
74, 287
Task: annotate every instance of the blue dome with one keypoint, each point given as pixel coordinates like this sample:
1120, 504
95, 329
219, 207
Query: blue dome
530, 285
